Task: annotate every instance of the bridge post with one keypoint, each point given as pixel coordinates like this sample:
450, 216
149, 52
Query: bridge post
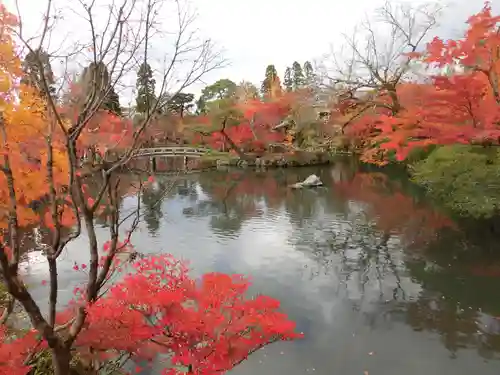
153, 163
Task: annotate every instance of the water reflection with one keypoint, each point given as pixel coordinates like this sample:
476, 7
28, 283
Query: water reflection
377, 279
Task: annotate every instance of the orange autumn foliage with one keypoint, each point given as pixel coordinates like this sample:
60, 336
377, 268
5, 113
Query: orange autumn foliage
25, 129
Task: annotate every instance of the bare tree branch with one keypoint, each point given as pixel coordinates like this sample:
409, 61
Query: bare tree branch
119, 37
382, 60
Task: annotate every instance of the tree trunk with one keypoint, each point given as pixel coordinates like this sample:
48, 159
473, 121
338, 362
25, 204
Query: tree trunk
61, 360
396, 105
252, 123
233, 145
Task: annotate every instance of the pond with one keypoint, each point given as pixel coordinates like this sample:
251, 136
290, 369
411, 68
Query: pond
380, 281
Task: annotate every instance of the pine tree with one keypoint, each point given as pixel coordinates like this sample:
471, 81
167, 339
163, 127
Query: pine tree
145, 85
270, 80
288, 79
34, 74
297, 76
180, 103
309, 74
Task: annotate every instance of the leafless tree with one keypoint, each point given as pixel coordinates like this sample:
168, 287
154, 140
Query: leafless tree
379, 52
118, 39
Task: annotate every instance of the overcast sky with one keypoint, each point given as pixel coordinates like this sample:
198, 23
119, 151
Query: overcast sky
260, 32
256, 33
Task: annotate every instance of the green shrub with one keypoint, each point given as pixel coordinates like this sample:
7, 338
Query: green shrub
464, 178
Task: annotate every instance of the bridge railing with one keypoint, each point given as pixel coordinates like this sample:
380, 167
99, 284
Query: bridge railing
187, 151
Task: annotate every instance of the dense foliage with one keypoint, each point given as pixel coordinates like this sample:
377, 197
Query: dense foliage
463, 178
52, 150
205, 327
444, 126
458, 103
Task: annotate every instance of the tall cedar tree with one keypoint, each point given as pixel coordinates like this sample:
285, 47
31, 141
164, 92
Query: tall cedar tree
288, 79
269, 80
96, 77
34, 75
112, 102
308, 74
145, 85
297, 76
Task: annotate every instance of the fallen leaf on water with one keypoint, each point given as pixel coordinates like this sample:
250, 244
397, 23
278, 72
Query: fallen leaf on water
365, 373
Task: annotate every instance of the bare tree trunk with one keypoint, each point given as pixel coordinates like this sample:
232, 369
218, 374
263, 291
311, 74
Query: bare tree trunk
61, 360
396, 104
252, 128
119, 46
233, 145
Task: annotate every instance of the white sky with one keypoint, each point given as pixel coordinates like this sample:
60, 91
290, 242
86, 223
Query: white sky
260, 32
255, 33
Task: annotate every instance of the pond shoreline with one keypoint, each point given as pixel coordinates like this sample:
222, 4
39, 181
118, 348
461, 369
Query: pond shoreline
257, 162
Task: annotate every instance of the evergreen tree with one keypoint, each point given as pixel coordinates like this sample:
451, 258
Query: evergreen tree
201, 106
180, 103
95, 77
96, 81
145, 85
270, 80
221, 90
288, 82
112, 102
309, 74
297, 76
34, 74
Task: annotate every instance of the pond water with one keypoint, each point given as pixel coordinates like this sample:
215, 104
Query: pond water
380, 281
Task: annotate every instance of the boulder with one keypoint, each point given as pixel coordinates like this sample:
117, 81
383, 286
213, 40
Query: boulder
311, 181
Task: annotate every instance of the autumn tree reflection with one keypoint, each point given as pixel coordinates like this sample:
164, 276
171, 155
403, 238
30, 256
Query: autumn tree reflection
386, 250
391, 209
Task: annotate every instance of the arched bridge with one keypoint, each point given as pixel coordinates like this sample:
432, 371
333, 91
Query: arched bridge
170, 151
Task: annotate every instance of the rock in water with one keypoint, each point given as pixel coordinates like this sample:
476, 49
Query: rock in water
311, 181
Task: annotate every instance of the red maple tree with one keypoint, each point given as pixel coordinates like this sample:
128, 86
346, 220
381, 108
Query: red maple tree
460, 107
106, 132
254, 130
206, 326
